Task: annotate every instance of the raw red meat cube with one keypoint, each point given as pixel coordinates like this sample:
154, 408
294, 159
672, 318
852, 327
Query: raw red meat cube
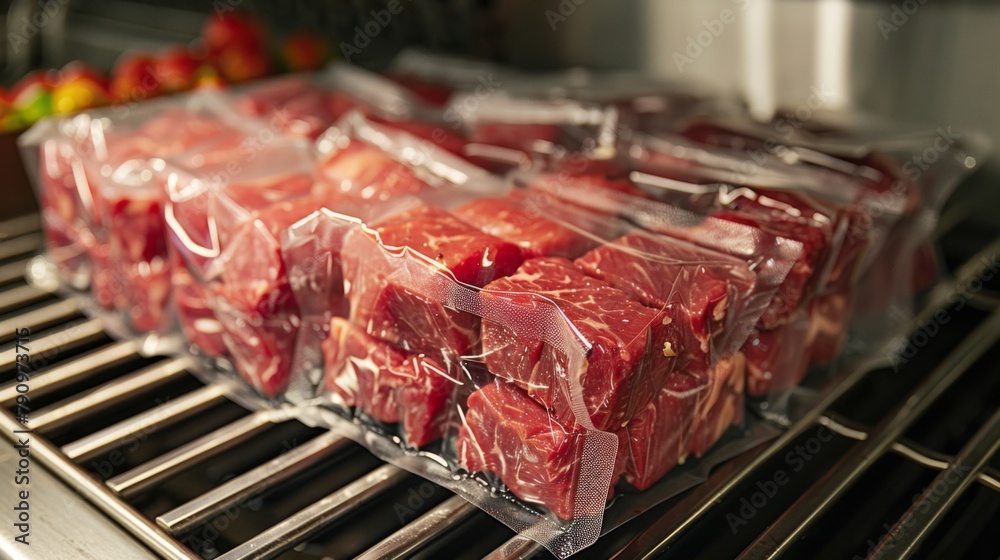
694, 286
194, 310
817, 241
387, 383
385, 297
67, 198
137, 239
660, 436
107, 285
368, 173
829, 316
721, 405
255, 301
132, 197
540, 460
777, 359
633, 346
513, 220
295, 106
261, 193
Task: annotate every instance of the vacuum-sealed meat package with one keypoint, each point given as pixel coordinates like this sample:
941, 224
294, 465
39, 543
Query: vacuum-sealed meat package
788, 249
538, 129
307, 105
564, 296
101, 185
535, 347
907, 171
225, 230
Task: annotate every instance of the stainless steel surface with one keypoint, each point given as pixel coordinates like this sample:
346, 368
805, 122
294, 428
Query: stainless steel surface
517, 548
300, 526
921, 62
256, 481
88, 404
927, 511
66, 374
144, 476
789, 526
60, 521
914, 452
147, 422
432, 524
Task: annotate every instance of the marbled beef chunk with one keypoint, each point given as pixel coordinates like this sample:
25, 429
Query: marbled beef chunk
695, 287
513, 219
387, 383
659, 438
386, 291
506, 433
633, 346
254, 300
721, 405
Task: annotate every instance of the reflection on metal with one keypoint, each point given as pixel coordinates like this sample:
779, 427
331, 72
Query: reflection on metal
927, 511
817, 499
146, 475
65, 374
423, 530
312, 519
145, 423
268, 475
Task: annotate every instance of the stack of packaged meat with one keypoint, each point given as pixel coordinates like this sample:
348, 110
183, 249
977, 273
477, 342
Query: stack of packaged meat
101, 188
544, 298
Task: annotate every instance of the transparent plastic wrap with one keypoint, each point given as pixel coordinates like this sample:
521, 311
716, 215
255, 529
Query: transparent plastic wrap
225, 222
541, 351
539, 129
839, 209
909, 168
55, 163
771, 367
307, 104
369, 163
102, 192
236, 292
